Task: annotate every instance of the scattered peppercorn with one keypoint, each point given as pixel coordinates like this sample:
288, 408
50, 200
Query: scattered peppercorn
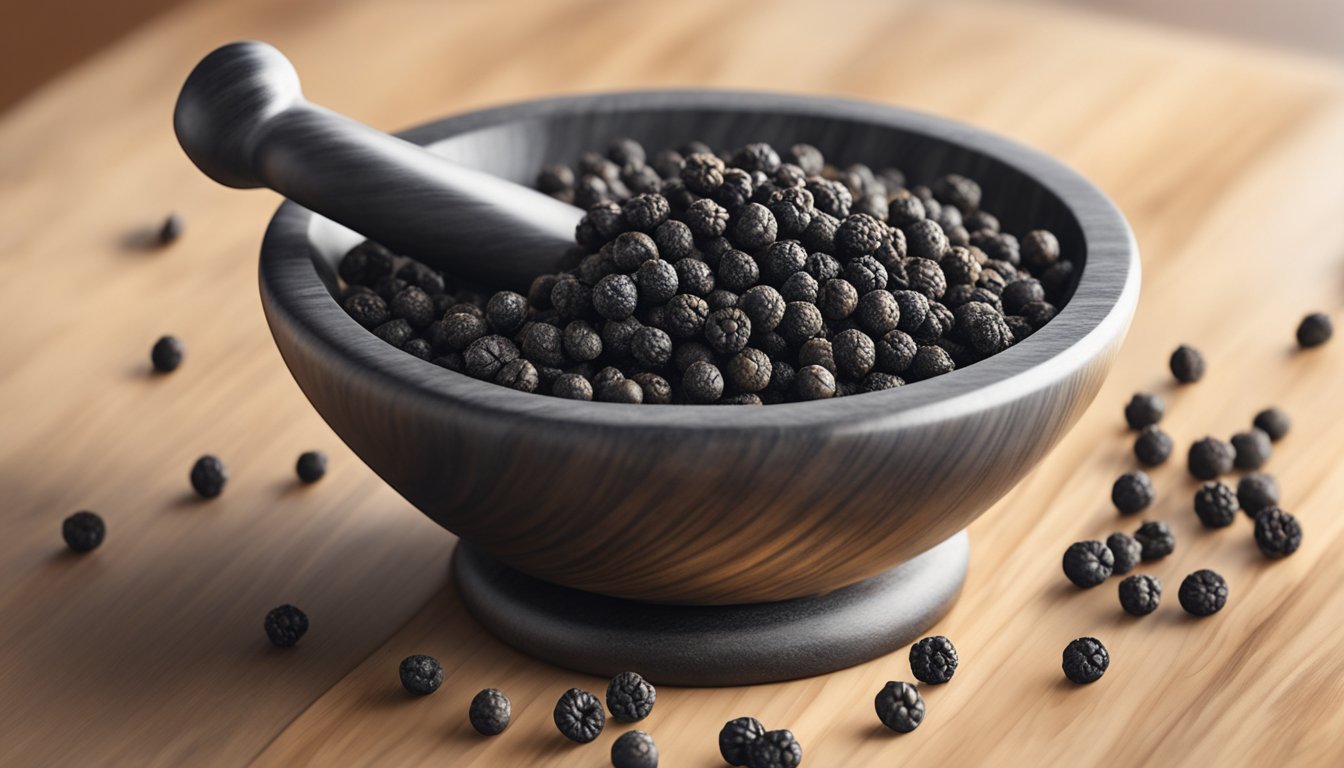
1187, 364
171, 229
1257, 491
1216, 504
83, 531
208, 476
1251, 448
1132, 492
420, 674
1203, 593
1086, 564
1126, 552
1210, 457
1153, 446
311, 466
490, 712
285, 625
900, 707
166, 354
630, 697
1085, 660
735, 739
933, 660
1140, 594
1156, 539
579, 716
774, 749
634, 749
1277, 533
1314, 330
1274, 422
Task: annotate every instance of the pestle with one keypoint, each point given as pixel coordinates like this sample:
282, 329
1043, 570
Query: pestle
242, 119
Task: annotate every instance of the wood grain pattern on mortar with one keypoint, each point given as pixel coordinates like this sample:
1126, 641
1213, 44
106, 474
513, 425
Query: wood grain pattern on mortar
150, 651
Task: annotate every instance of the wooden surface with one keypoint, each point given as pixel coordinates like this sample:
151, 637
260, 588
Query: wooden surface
150, 650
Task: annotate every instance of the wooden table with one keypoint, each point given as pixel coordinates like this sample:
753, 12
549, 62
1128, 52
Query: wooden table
1229, 162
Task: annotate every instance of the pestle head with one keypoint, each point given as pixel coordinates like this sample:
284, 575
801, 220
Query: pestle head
228, 96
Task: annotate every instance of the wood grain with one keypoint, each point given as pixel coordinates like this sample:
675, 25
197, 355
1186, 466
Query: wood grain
149, 651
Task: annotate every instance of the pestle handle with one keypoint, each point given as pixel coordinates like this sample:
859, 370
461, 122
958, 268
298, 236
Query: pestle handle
242, 119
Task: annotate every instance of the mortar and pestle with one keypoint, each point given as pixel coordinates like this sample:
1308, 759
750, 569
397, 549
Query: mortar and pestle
697, 545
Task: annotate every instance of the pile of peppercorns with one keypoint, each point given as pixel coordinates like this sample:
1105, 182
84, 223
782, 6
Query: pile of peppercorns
736, 278
1204, 592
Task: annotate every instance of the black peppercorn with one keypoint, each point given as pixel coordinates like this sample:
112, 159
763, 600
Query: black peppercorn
899, 706
1019, 293
518, 374
1203, 593
1252, 449
415, 306
1040, 249
894, 352
1088, 563
1257, 491
753, 227
651, 347
1153, 446
1277, 533
878, 312
706, 219
914, 310
1187, 364
420, 674
1274, 422
365, 264
622, 390
421, 276
1216, 504
702, 382
830, 197
859, 235
1132, 492
395, 332
837, 299
208, 476
451, 360
490, 712
579, 716
925, 239
736, 190
645, 212
933, 660
929, 361
695, 276
1038, 313
657, 390
285, 625
485, 356
783, 259
572, 386
756, 157
544, 344
1144, 410
750, 370
793, 209
764, 307
737, 271
800, 322
1156, 539
630, 697
1126, 552
419, 348
926, 277
1085, 660
555, 178
367, 309
727, 330
800, 286
774, 749
656, 282
458, 330
166, 355
1140, 594
571, 298
877, 381
855, 353
1209, 458
83, 531
817, 351
1315, 330
615, 297
634, 749
735, 739
814, 382
982, 327
631, 249
820, 234
618, 335
311, 466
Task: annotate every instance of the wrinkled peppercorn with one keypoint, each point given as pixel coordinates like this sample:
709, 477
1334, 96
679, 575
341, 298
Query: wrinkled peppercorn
735, 739
208, 476
1140, 594
367, 309
630, 697
311, 466
1156, 539
933, 660
572, 386
625, 391
1251, 449
1274, 422
774, 749
727, 330
579, 716
518, 374
1085, 660
899, 706
485, 356
420, 674
814, 382
1153, 446
1187, 364
1216, 504
1125, 551
1277, 533
490, 712
285, 625
1209, 458
1203, 593
634, 749
750, 370
1257, 491
929, 361
1132, 492
83, 531
702, 382
1143, 410
1314, 330
1088, 563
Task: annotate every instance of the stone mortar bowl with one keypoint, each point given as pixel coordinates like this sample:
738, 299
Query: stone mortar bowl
713, 505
